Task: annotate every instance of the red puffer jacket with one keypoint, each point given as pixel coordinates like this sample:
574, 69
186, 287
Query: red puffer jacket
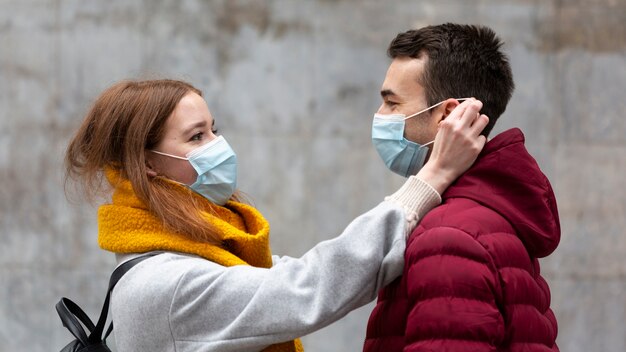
471, 278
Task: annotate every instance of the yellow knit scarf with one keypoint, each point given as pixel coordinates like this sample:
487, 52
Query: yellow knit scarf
127, 226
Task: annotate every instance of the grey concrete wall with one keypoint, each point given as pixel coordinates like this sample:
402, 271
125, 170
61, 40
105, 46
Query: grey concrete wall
293, 86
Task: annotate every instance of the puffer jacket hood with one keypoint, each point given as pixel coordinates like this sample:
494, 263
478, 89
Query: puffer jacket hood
507, 179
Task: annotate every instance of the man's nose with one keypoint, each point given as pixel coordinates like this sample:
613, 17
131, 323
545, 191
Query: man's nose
383, 109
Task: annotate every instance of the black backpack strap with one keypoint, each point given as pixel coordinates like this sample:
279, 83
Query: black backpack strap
71, 315
106, 334
96, 334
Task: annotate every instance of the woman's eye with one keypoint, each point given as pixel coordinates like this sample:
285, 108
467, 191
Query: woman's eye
197, 136
214, 130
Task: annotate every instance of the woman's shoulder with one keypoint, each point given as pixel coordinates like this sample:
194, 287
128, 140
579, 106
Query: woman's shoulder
164, 270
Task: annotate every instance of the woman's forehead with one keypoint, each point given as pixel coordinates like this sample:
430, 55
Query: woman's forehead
190, 111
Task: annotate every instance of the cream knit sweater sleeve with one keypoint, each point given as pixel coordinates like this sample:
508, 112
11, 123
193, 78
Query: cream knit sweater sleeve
416, 197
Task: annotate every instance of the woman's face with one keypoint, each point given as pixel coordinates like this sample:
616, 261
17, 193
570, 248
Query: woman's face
189, 127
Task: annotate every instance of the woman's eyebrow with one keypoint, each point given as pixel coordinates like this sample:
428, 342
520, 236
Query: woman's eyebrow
194, 126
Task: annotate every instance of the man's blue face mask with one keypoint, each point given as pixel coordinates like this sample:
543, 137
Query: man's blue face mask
401, 156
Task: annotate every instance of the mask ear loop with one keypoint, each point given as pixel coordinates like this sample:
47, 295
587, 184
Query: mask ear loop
170, 155
203, 147
432, 107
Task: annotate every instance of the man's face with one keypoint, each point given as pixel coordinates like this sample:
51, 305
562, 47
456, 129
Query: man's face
402, 94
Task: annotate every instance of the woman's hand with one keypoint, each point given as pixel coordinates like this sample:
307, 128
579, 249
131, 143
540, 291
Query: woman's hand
457, 145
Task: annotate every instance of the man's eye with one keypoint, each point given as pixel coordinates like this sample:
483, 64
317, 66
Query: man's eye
197, 136
391, 103
214, 130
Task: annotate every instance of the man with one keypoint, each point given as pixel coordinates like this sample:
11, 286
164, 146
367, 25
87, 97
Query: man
471, 277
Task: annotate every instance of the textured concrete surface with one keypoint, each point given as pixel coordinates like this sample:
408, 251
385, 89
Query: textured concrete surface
293, 86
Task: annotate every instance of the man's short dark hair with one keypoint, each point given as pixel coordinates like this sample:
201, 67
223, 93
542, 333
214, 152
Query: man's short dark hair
462, 61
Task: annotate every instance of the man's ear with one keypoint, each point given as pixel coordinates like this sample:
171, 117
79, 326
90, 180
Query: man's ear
447, 107
450, 105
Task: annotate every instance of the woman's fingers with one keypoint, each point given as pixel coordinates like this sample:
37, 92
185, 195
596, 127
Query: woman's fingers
479, 124
458, 141
459, 110
471, 112
467, 115
457, 144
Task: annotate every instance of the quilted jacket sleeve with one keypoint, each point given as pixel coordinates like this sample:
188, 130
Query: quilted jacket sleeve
453, 293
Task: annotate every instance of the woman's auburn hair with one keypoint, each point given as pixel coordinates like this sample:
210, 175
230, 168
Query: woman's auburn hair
127, 119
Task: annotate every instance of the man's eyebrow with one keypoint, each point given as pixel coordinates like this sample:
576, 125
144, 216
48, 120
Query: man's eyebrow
386, 92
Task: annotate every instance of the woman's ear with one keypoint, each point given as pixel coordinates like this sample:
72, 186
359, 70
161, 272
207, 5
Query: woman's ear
150, 170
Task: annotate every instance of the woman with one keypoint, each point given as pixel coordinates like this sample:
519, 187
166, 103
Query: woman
215, 285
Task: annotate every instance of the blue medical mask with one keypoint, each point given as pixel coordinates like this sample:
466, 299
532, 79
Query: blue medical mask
401, 156
216, 165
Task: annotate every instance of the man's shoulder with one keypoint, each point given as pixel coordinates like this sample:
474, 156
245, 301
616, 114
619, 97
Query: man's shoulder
464, 214
460, 227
